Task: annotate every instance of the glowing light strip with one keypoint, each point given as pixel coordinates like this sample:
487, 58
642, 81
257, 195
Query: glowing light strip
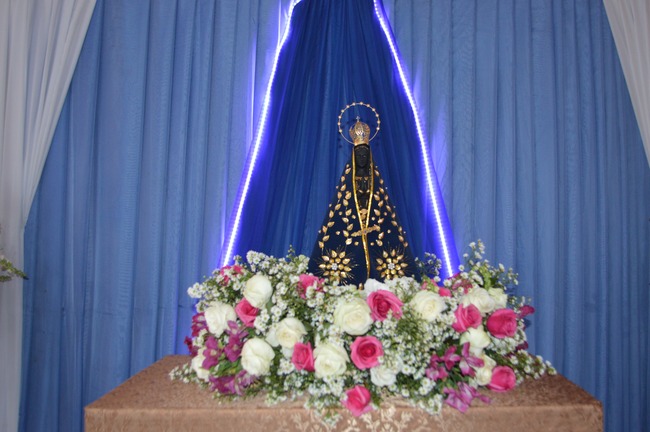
450, 263
233, 231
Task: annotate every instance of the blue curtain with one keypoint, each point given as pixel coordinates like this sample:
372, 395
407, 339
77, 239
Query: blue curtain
302, 154
132, 203
544, 162
529, 125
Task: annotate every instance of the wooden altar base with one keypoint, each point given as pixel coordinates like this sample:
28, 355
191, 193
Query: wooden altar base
150, 401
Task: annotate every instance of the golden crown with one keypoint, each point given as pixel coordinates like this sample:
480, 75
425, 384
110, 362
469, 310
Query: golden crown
359, 132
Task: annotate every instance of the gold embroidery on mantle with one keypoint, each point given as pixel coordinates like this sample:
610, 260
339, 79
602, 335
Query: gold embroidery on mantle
391, 264
335, 265
366, 231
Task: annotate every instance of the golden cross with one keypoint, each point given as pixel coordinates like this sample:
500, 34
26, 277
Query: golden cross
365, 231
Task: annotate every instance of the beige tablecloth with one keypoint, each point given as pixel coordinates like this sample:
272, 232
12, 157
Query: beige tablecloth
151, 401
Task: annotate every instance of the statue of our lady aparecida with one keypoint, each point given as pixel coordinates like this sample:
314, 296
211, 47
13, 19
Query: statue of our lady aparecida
361, 236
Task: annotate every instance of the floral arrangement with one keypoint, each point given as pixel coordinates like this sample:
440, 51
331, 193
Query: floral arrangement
264, 325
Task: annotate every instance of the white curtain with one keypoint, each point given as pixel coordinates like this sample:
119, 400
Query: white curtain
40, 41
630, 23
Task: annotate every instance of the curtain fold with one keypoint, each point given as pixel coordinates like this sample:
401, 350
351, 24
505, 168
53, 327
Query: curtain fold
130, 211
39, 45
529, 124
545, 163
301, 154
630, 23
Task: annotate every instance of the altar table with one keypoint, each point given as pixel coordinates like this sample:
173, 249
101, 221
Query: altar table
151, 401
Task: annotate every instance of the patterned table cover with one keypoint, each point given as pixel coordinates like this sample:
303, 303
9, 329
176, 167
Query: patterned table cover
150, 400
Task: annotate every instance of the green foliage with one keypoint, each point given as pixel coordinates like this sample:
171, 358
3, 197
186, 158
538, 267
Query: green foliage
8, 271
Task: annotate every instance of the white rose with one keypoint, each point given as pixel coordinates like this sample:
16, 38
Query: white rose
484, 374
428, 304
499, 296
382, 376
271, 337
258, 290
373, 285
330, 360
289, 332
353, 317
217, 317
197, 365
256, 357
477, 338
480, 298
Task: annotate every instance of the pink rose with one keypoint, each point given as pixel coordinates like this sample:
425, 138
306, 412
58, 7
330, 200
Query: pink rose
307, 280
444, 292
503, 379
466, 317
303, 357
502, 323
381, 302
246, 312
365, 352
358, 400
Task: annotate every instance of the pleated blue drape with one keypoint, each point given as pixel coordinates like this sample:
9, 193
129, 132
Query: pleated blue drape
530, 128
545, 163
302, 154
133, 200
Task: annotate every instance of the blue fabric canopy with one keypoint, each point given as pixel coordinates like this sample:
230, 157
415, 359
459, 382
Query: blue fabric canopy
336, 53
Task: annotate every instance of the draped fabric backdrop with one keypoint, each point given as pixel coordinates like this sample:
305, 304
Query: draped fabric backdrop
545, 163
39, 45
293, 183
134, 197
532, 134
630, 23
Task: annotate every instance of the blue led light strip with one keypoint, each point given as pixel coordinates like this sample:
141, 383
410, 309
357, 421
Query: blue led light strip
234, 226
449, 262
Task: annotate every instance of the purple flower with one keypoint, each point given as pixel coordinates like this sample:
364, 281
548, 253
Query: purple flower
236, 336
454, 399
190, 346
468, 361
462, 397
525, 311
232, 384
224, 384
212, 352
245, 379
522, 346
436, 373
450, 358
198, 324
